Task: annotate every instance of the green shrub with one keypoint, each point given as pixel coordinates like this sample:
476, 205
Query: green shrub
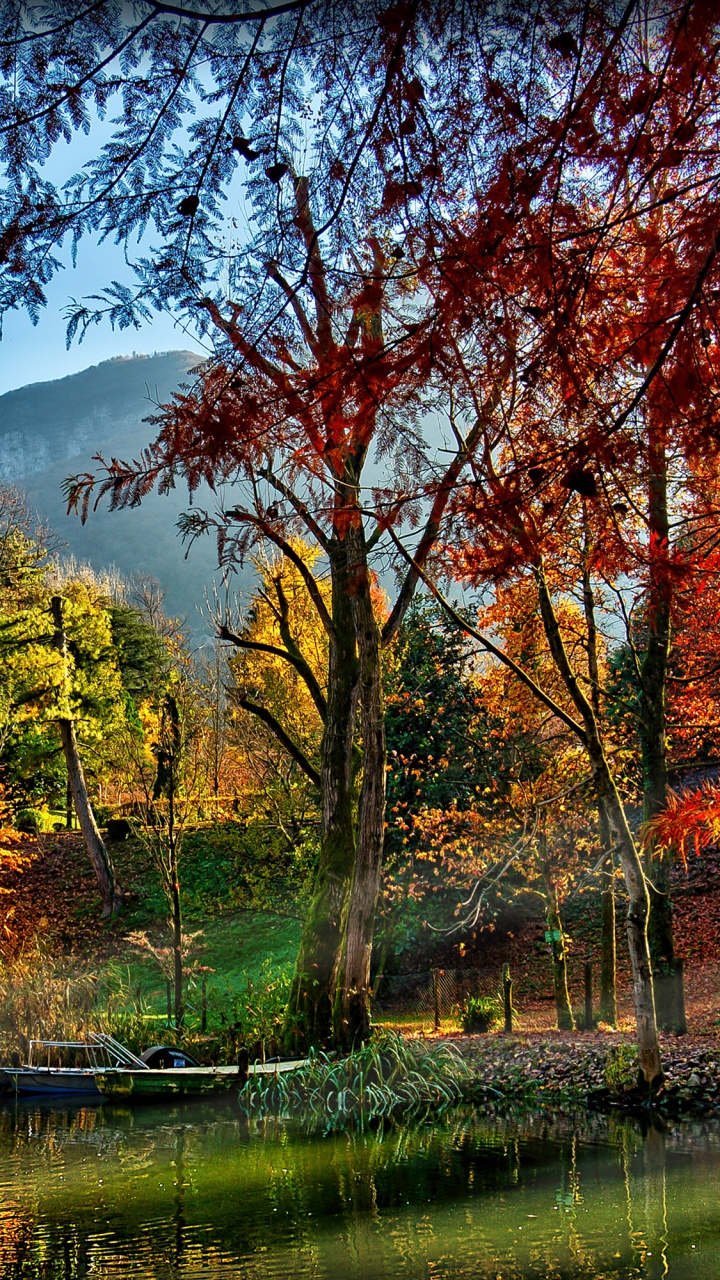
33, 821
258, 1014
478, 1014
622, 1069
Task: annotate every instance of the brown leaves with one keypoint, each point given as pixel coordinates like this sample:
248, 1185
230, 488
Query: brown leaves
565, 44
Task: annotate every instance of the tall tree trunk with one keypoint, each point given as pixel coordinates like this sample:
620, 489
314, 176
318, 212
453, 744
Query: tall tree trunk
352, 999
620, 834
563, 1007
608, 946
174, 879
637, 918
102, 864
101, 861
308, 1018
652, 726
608, 998
68, 807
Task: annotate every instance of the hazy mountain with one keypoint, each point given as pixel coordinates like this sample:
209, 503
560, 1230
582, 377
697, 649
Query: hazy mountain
50, 430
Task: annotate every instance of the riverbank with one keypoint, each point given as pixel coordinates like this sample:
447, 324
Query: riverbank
597, 1070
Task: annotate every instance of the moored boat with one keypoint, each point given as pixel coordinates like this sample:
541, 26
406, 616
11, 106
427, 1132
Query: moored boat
99, 1052
123, 1085
110, 1071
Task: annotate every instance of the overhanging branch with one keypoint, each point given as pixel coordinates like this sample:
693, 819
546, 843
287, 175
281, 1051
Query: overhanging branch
546, 699
286, 742
294, 657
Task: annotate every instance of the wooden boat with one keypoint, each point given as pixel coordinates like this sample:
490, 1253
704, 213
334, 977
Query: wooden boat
123, 1085
99, 1051
113, 1072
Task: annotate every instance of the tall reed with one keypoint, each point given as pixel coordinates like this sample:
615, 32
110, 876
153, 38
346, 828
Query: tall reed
387, 1076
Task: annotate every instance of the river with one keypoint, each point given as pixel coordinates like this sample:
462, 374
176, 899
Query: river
194, 1191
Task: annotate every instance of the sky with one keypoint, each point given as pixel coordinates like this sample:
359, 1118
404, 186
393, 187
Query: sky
37, 353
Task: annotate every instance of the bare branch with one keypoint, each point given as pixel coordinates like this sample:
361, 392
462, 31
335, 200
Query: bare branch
285, 741
294, 657
442, 497
546, 698
272, 535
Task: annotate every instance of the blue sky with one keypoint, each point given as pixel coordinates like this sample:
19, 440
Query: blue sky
37, 353
31, 353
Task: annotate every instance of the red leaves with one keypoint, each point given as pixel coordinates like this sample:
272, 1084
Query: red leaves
397, 192
691, 816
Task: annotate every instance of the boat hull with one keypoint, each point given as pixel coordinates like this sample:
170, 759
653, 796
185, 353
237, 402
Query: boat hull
121, 1085
125, 1086
50, 1080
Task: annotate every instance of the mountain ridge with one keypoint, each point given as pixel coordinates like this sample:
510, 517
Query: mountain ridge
52, 429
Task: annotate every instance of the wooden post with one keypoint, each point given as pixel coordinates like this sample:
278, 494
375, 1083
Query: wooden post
436, 998
203, 1006
588, 996
507, 998
679, 975
169, 993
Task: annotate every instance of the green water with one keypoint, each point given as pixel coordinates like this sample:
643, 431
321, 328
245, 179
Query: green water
194, 1192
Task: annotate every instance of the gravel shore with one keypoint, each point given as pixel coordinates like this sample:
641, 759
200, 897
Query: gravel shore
563, 1068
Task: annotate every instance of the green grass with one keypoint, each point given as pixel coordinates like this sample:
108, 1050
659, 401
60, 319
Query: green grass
229, 952
224, 868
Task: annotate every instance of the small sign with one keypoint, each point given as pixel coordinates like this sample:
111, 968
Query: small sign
553, 935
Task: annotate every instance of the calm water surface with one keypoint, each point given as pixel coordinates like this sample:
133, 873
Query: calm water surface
194, 1192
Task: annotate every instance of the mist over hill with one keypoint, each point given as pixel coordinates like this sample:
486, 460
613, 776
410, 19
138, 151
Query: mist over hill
50, 430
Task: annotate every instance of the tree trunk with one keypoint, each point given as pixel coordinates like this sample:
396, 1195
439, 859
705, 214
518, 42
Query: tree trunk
101, 861
102, 865
352, 998
174, 878
177, 955
608, 946
308, 1019
608, 998
652, 726
621, 836
68, 807
563, 1007
637, 921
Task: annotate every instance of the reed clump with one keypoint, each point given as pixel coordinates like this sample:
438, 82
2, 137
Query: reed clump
38, 1000
388, 1076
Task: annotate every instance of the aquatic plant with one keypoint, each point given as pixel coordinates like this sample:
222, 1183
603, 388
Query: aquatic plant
390, 1074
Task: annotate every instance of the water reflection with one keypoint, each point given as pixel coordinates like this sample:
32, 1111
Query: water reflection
195, 1191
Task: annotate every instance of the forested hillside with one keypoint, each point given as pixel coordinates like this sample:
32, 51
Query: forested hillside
50, 430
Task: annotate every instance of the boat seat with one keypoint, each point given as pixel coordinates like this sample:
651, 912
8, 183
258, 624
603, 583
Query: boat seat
165, 1057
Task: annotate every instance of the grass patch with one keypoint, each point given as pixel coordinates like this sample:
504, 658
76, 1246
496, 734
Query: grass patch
224, 867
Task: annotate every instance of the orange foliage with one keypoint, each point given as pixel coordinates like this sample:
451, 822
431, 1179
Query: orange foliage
693, 816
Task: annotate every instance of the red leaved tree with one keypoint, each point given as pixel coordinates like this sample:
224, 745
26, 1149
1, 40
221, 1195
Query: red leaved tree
290, 424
